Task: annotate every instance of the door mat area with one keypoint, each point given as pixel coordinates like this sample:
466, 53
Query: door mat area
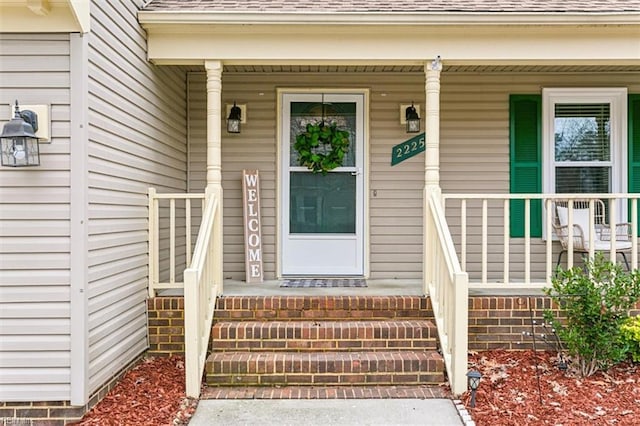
324, 283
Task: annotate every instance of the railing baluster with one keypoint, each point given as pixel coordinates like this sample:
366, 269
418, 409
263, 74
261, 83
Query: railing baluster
527, 240
634, 233
463, 233
485, 249
187, 225
172, 241
549, 243
505, 229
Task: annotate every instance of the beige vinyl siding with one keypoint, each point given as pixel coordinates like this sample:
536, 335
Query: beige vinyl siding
474, 157
34, 227
475, 151
395, 234
137, 140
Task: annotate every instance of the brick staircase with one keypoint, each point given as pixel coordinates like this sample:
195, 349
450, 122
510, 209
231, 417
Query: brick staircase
323, 341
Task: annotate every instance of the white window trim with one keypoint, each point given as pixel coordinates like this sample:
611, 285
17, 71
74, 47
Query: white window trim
617, 98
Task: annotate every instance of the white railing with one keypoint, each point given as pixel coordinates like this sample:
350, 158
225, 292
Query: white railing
171, 223
202, 284
447, 286
480, 225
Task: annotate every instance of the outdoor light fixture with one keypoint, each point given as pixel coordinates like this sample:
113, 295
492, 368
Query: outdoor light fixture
18, 142
413, 120
473, 378
234, 120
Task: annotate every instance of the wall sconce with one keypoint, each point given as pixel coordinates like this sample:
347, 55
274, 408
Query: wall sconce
473, 379
234, 119
18, 142
410, 116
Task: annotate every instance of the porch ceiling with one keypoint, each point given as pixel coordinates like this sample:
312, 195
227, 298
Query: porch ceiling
262, 69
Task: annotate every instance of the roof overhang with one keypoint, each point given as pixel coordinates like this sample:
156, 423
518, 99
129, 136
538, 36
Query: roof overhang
190, 38
44, 16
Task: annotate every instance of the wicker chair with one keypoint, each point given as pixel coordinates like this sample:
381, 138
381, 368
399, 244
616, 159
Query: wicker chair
582, 231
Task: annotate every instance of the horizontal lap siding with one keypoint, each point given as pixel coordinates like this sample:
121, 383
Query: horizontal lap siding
474, 157
137, 139
475, 153
34, 228
396, 245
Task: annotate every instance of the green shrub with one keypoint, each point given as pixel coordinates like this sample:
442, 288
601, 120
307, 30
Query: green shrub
630, 330
595, 301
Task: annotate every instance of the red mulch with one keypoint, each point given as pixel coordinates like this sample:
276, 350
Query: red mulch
151, 394
509, 395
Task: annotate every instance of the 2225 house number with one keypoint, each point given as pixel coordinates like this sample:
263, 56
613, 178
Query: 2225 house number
408, 149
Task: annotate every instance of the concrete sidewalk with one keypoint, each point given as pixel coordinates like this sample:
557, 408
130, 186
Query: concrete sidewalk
323, 412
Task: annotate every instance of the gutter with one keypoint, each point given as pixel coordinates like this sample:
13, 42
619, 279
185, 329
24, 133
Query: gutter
388, 19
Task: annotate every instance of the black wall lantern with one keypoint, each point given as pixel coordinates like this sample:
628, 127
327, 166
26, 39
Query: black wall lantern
18, 142
235, 117
413, 120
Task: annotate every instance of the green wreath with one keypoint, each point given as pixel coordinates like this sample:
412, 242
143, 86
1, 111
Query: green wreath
322, 147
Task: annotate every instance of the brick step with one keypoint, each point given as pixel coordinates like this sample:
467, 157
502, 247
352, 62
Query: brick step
324, 335
287, 308
326, 392
324, 368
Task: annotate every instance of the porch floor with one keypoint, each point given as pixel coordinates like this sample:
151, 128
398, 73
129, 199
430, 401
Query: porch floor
375, 287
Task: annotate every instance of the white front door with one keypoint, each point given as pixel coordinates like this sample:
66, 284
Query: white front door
322, 221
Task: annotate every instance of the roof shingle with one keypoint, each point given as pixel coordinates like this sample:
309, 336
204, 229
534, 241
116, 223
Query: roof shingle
391, 6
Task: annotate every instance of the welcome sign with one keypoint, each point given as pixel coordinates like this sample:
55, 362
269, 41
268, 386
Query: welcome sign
252, 225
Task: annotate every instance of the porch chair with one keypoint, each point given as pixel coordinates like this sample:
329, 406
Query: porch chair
581, 230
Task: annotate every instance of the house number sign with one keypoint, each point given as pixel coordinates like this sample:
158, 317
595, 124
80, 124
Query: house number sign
407, 149
252, 225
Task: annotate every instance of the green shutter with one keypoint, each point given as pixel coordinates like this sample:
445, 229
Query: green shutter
634, 145
525, 135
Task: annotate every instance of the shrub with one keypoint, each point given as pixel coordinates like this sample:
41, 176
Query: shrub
630, 329
596, 301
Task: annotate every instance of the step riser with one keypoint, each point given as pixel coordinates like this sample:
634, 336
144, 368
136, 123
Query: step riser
324, 336
286, 308
309, 369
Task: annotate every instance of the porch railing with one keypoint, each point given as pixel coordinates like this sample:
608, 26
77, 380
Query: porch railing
480, 226
202, 284
172, 218
447, 286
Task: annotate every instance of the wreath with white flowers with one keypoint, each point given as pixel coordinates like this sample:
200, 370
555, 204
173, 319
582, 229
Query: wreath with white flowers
322, 147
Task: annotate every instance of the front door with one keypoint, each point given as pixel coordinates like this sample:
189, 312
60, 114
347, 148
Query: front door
322, 220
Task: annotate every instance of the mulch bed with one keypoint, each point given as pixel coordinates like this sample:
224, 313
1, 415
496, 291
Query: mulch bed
509, 392
151, 394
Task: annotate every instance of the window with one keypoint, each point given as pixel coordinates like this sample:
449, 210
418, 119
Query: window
584, 140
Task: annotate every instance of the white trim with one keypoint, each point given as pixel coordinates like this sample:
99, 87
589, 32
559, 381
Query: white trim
617, 98
79, 330
280, 210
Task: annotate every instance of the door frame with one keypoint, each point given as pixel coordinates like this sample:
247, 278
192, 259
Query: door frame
280, 92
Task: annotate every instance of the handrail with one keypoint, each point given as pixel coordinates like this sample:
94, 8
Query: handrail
447, 287
167, 222
201, 287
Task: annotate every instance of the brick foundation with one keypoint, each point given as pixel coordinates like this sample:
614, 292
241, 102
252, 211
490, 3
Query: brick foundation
166, 326
495, 322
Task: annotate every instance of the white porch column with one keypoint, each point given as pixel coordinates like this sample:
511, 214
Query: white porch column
214, 161
432, 125
214, 117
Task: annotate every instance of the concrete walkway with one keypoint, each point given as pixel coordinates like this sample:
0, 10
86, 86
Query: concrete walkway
323, 412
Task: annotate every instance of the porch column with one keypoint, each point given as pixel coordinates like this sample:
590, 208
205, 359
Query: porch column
432, 125
214, 160
214, 117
